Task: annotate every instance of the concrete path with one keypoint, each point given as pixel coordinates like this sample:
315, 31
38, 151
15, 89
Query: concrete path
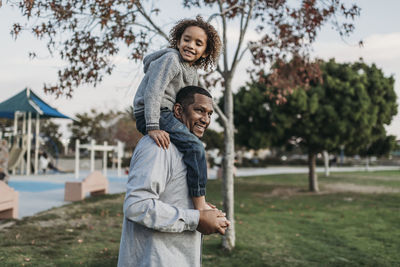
31, 203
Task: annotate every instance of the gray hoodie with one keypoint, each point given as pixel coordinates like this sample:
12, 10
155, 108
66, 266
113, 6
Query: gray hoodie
165, 74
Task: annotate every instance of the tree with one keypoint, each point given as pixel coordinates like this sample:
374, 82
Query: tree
254, 117
91, 33
385, 107
125, 130
5, 125
50, 132
103, 127
350, 109
213, 139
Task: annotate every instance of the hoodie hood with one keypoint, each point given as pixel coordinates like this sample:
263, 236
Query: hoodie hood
156, 55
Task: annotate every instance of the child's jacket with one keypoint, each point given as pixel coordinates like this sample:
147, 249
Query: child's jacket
165, 74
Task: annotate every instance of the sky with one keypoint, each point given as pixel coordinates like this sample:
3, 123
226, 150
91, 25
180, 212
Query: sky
378, 27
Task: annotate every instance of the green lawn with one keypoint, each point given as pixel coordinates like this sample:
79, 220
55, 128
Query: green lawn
278, 223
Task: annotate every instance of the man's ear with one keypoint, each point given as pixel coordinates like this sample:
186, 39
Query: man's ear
178, 111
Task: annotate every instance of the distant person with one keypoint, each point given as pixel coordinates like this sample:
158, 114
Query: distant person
159, 226
4, 156
194, 44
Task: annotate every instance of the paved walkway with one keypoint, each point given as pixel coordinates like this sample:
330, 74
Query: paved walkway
31, 203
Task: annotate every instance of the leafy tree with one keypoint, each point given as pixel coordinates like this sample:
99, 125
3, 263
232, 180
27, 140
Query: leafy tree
381, 147
125, 130
213, 139
103, 127
5, 124
87, 34
254, 118
50, 132
350, 109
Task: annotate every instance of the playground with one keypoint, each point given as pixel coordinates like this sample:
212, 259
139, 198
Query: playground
30, 180
43, 192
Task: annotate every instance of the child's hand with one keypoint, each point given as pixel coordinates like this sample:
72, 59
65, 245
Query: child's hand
160, 137
212, 207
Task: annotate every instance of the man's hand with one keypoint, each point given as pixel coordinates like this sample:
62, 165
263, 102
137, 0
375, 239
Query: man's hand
212, 221
160, 137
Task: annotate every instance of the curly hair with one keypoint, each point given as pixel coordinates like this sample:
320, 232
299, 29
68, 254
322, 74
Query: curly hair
213, 41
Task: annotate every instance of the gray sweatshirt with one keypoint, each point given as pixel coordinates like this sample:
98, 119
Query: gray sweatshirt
165, 74
159, 227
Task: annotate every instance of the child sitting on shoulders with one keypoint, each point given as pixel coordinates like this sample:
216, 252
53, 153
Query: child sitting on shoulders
194, 44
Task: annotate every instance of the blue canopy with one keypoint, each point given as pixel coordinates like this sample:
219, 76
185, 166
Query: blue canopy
28, 101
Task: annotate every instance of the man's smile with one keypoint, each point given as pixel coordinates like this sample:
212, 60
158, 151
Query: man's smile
201, 127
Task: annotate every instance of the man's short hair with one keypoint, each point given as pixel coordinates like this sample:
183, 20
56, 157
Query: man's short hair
185, 96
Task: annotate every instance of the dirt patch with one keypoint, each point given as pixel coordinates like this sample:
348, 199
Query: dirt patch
345, 187
6, 224
286, 192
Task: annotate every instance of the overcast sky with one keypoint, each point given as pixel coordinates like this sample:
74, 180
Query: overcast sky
378, 27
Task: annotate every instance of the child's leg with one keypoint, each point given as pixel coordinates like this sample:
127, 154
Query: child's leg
193, 155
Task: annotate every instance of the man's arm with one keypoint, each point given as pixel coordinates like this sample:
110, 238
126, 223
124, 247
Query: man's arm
147, 180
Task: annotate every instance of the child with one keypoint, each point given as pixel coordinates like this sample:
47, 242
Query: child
194, 44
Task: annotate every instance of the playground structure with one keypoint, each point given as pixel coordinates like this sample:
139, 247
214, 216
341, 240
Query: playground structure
20, 146
92, 147
28, 106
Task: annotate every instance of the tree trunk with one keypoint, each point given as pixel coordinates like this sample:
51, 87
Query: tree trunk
228, 240
312, 175
326, 162
367, 164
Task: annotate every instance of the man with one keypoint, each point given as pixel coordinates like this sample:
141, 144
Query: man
160, 224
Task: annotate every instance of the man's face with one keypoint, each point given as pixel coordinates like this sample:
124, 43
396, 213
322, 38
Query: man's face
196, 116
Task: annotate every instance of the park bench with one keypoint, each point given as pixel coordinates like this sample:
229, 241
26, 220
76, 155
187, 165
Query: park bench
95, 184
8, 202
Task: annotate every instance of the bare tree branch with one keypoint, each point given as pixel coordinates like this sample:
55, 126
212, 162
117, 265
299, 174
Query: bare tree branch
147, 17
146, 27
242, 54
218, 69
224, 39
221, 114
243, 30
224, 12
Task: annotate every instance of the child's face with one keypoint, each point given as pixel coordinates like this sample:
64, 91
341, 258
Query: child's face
193, 44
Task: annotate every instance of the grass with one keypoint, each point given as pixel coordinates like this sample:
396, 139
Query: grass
278, 223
